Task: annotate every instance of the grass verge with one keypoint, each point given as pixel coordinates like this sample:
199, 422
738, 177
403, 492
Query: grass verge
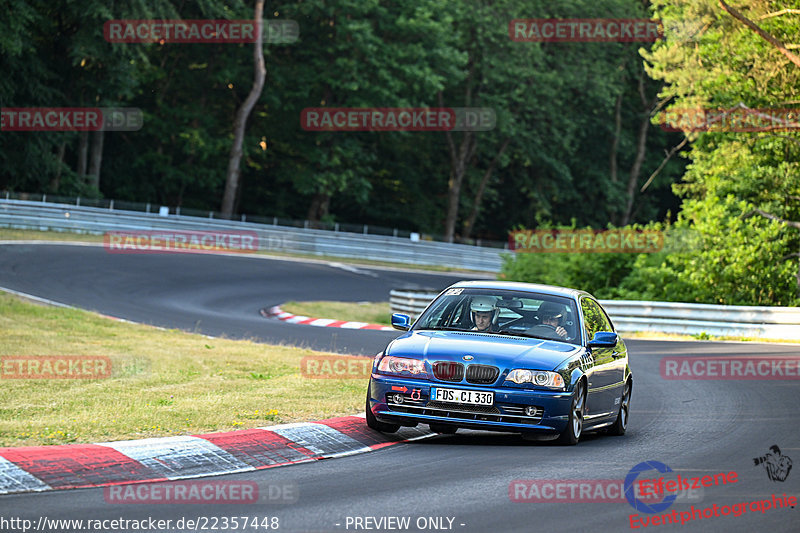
163, 382
370, 312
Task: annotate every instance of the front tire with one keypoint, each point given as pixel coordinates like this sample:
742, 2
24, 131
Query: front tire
376, 424
572, 433
621, 423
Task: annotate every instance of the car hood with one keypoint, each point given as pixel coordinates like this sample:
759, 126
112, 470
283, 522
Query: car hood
498, 350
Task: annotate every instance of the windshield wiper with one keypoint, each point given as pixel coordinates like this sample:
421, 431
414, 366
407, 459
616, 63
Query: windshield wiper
442, 328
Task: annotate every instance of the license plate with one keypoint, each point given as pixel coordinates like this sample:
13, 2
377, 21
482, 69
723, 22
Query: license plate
462, 396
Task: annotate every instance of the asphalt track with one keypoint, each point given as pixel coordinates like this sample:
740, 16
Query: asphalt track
695, 427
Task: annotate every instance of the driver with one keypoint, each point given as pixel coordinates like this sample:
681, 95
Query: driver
483, 312
550, 315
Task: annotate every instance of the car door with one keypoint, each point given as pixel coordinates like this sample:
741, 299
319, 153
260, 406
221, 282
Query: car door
604, 381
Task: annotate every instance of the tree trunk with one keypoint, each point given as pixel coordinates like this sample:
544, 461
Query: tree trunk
641, 153
239, 123
459, 160
55, 183
615, 138
318, 209
83, 152
476, 205
96, 160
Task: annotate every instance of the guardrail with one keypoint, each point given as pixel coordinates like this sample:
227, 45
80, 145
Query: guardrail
667, 317
24, 214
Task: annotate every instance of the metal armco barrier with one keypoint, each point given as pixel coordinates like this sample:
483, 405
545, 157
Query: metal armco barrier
667, 317
24, 214
409, 302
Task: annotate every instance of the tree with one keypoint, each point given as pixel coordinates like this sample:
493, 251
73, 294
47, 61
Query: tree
239, 123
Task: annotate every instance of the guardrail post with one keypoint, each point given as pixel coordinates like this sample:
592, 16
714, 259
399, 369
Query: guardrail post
365, 229
336, 227
78, 200
305, 224
178, 211
111, 205
210, 214
244, 217
394, 233
44, 198
274, 221
147, 210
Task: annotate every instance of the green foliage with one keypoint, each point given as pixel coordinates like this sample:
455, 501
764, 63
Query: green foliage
739, 256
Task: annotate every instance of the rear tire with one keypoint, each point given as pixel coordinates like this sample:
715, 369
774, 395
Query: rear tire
441, 428
572, 433
621, 423
376, 424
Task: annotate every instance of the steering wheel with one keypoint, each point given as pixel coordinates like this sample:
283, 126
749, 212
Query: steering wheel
549, 331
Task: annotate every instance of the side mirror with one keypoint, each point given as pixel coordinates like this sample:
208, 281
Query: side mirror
603, 339
401, 321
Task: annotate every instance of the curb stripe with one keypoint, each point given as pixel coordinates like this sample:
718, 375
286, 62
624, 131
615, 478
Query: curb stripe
276, 312
260, 448
15, 479
77, 465
41, 468
180, 457
321, 439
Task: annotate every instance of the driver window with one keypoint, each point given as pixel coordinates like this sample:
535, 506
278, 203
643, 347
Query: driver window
594, 318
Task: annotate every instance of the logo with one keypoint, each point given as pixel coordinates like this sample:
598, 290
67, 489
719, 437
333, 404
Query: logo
467, 358
776, 464
635, 502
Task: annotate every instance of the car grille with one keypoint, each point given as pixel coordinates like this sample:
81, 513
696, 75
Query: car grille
482, 374
448, 371
508, 413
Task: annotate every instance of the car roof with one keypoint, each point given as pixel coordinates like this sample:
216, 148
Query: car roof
552, 290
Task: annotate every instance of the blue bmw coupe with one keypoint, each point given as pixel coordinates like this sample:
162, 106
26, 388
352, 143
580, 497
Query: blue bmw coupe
538, 360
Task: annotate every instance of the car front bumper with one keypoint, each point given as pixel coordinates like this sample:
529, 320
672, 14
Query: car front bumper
507, 414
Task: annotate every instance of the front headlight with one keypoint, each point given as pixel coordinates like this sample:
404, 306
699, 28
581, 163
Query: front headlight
540, 378
399, 365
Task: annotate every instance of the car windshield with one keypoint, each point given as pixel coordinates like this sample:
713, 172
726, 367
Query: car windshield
503, 312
